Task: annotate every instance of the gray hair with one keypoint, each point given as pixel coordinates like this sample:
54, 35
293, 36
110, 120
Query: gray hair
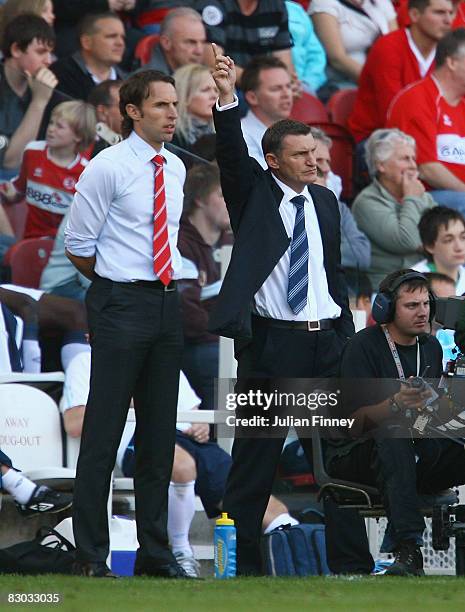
182, 11
380, 147
318, 134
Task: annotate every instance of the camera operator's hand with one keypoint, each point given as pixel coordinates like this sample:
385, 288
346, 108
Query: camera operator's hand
412, 398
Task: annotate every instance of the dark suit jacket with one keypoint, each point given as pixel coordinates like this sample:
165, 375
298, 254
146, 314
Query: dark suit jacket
73, 77
260, 239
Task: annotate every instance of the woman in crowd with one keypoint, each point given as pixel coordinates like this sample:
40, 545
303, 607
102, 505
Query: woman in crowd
197, 93
389, 209
347, 30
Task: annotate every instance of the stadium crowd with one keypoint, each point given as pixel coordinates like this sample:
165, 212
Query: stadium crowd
381, 84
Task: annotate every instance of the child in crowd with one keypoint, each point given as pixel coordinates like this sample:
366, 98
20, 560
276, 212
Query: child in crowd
51, 168
442, 233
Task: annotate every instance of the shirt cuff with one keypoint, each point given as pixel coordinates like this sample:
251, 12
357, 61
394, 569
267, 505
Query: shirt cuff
76, 246
227, 106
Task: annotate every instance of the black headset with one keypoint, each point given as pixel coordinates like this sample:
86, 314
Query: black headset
384, 306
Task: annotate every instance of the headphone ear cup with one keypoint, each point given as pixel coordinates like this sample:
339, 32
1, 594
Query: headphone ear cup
382, 308
432, 306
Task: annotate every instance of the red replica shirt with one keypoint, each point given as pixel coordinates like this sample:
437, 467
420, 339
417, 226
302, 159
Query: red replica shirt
48, 189
390, 66
438, 128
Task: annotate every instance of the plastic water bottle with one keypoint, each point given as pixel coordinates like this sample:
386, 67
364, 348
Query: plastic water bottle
225, 547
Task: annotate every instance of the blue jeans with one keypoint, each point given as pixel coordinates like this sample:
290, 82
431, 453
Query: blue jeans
449, 198
5, 243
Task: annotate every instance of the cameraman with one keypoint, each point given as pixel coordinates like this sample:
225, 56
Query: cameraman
396, 348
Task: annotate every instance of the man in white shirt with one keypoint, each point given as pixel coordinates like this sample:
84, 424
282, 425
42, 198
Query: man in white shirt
122, 234
267, 88
283, 299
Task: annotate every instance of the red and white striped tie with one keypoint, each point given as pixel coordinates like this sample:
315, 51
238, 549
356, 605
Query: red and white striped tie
161, 246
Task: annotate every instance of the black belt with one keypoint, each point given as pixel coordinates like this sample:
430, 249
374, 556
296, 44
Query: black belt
156, 284
311, 326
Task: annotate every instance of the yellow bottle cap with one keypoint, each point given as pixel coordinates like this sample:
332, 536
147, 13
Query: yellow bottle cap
224, 520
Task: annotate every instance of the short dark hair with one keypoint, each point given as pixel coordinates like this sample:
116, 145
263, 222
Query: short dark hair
420, 5
358, 284
23, 29
438, 276
201, 180
272, 140
450, 45
250, 79
87, 25
432, 220
412, 284
135, 90
101, 93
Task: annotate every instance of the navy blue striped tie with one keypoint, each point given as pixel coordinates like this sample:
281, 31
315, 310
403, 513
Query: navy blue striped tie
297, 289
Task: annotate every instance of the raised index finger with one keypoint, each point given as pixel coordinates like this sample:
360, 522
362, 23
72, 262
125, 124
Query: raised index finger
215, 50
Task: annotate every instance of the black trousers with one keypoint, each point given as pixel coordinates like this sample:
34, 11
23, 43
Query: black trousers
401, 468
282, 353
136, 342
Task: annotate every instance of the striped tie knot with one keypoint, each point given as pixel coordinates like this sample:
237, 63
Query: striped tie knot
298, 201
158, 160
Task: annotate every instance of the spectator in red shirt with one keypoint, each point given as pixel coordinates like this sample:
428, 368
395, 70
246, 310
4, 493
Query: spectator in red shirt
403, 18
433, 112
396, 60
51, 168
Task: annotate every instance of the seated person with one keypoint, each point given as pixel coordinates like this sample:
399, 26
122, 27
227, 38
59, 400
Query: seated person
355, 246
308, 54
204, 229
38, 312
30, 499
396, 60
432, 111
443, 286
51, 168
197, 93
389, 209
267, 89
200, 466
102, 44
347, 30
27, 46
182, 41
245, 30
396, 349
442, 233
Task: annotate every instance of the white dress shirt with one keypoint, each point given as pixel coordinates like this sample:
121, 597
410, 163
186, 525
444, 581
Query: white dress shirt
253, 130
271, 299
112, 213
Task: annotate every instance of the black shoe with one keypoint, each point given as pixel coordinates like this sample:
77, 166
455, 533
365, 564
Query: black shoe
147, 567
44, 500
92, 570
408, 561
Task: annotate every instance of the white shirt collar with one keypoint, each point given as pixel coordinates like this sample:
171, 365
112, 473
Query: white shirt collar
142, 149
289, 193
424, 64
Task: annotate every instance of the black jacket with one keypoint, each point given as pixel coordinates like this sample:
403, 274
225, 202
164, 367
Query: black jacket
260, 240
73, 77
